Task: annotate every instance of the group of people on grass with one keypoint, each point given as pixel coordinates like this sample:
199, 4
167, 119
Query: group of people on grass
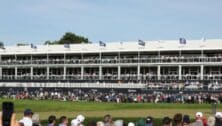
118, 97
31, 119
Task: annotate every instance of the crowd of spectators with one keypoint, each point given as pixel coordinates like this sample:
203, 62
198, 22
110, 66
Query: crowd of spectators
112, 96
32, 119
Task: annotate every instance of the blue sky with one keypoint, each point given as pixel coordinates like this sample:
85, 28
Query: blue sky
35, 21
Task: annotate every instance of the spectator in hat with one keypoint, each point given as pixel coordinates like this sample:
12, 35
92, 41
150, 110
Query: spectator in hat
186, 120
149, 121
177, 119
51, 120
131, 124
218, 117
27, 118
63, 121
167, 121
211, 121
78, 120
198, 122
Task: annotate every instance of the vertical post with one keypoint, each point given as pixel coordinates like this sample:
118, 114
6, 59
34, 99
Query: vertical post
47, 73
64, 73
100, 72
31, 72
158, 72
0, 67
180, 72
119, 72
82, 72
201, 72
0, 73
16, 72
138, 72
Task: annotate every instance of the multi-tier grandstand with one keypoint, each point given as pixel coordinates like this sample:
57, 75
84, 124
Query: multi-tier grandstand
191, 64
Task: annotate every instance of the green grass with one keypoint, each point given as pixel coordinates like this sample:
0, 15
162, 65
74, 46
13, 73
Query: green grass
49, 105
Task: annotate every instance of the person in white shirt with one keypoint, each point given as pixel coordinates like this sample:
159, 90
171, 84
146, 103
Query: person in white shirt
78, 120
27, 119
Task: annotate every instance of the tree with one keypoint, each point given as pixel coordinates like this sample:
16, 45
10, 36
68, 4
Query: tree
69, 38
2, 45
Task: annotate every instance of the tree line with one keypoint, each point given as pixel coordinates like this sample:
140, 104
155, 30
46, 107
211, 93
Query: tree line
67, 38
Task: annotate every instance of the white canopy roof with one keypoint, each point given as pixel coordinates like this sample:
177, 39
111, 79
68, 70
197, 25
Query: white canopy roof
162, 45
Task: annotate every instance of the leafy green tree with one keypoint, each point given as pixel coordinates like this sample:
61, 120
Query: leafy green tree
69, 38
2, 45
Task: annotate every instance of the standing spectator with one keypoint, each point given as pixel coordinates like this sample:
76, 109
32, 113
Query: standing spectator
167, 121
149, 121
78, 120
27, 119
177, 119
218, 116
52, 120
198, 122
35, 120
211, 121
99, 123
108, 121
63, 121
186, 120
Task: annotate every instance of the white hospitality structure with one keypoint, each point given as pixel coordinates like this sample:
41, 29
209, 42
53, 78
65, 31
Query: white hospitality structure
112, 65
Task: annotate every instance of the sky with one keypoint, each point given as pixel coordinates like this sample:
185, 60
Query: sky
36, 21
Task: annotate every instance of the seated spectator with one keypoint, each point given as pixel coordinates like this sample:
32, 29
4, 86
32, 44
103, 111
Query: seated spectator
177, 119
27, 119
167, 121
186, 120
52, 120
63, 121
78, 120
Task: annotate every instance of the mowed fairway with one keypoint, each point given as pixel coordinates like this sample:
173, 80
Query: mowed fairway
94, 109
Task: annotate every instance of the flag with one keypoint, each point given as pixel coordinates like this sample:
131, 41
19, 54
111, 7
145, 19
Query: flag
33, 46
140, 42
66, 45
182, 41
102, 44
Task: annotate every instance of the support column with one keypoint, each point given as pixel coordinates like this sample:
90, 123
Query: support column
31, 72
82, 72
138, 72
158, 72
100, 72
201, 72
64, 73
180, 72
0, 73
119, 72
47, 73
16, 72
